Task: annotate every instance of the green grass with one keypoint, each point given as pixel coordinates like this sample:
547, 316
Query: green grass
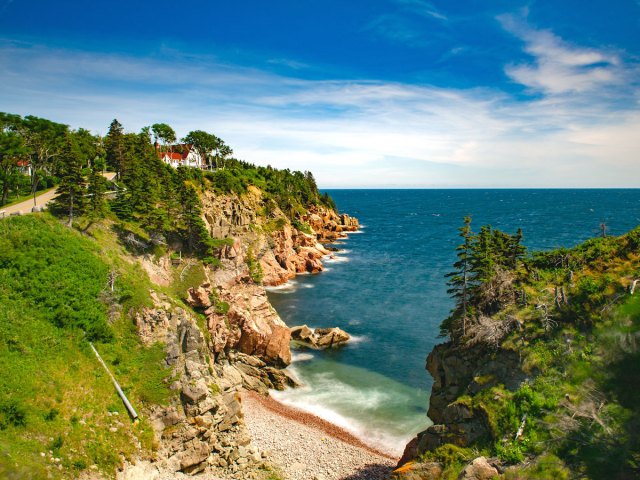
54, 395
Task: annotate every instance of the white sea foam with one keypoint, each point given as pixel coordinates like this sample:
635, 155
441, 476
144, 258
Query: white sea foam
358, 338
357, 231
314, 401
354, 321
337, 259
301, 357
289, 287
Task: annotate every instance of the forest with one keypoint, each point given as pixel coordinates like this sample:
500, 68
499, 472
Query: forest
37, 154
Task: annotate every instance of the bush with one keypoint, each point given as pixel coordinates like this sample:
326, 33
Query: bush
12, 414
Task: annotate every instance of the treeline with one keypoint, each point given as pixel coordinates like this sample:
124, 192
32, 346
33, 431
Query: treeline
162, 199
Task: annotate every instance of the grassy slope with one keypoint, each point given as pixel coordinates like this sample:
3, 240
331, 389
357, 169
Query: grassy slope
583, 399
54, 396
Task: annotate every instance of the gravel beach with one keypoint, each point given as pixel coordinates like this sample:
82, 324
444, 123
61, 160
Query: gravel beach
306, 447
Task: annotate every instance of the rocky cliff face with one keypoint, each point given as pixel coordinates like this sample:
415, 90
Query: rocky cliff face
266, 249
461, 371
204, 429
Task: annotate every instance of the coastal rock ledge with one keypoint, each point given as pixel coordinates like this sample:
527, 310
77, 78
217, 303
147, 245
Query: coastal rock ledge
320, 337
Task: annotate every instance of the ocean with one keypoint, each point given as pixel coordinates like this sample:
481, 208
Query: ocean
387, 288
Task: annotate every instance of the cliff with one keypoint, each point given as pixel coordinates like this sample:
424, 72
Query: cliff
531, 384
242, 343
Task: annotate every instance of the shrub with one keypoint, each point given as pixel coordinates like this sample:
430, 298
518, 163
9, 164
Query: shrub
12, 414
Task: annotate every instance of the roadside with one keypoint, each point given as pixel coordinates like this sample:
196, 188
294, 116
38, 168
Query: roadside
42, 201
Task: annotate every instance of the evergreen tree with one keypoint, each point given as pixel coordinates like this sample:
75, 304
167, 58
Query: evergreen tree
195, 231
121, 205
459, 280
115, 148
70, 200
517, 250
96, 205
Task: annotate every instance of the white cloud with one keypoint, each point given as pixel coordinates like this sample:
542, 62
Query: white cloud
349, 133
559, 67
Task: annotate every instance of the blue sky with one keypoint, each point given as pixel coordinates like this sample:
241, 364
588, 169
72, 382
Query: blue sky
396, 93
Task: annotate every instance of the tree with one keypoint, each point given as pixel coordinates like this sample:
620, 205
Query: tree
12, 149
459, 281
164, 133
70, 199
96, 206
115, 148
44, 139
195, 231
204, 143
517, 250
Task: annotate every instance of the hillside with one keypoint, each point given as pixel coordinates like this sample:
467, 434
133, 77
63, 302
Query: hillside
539, 375
164, 271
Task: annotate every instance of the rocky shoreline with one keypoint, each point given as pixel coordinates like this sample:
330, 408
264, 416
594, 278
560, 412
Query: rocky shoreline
309, 448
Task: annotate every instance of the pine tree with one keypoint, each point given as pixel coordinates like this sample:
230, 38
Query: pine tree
71, 190
195, 231
517, 250
115, 148
96, 206
459, 280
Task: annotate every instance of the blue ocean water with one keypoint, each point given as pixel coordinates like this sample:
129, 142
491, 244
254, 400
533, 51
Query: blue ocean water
387, 288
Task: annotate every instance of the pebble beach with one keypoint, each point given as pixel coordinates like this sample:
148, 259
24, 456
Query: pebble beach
305, 447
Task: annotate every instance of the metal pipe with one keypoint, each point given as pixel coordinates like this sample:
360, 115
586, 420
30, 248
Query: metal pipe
124, 398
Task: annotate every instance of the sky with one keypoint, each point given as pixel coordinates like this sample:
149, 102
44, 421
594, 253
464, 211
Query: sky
363, 93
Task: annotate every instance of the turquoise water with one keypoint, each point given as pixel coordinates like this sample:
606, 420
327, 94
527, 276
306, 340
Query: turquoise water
387, 288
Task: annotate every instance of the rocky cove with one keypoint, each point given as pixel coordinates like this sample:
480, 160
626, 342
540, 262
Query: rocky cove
238, 343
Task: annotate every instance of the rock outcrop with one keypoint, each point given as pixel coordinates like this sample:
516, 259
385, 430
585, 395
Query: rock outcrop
241, 318
461, 371
203, 428
320, 337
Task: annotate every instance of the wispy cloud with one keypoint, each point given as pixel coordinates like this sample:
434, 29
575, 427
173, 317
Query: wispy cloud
559, 67
424, 8
407, 23
349, 133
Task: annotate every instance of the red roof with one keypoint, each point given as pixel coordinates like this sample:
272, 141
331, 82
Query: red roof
181, 154
22, 163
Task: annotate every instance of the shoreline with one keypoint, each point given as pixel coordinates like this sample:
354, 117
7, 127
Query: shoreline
301, 446
313, 421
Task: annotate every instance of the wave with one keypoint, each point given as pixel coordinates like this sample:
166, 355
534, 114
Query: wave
316, 400
289, 287
357, 339
337, 259
301, 357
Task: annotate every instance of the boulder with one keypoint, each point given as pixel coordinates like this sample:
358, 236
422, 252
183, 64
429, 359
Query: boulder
478, 469
303, 334
328, 337
320, 337
199, 297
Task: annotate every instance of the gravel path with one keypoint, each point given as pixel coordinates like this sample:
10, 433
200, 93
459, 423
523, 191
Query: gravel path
306, 447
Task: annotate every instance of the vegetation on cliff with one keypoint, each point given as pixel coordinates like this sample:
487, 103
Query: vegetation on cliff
55, 400
542, 370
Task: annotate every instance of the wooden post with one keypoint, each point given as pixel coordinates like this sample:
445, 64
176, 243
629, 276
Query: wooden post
124, 398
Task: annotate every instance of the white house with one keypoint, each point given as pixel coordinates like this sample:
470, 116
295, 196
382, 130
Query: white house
183, 154
24, 166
